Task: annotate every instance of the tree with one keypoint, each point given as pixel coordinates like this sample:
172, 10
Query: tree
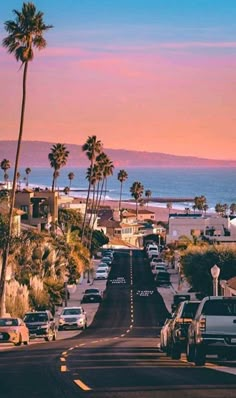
92, 148
232, 208
221, 209
137, 192
169, 207
27, 172
148, 194
5, 165
200, 202
24, 34
71, 176
57, 158
122, 177
18, 180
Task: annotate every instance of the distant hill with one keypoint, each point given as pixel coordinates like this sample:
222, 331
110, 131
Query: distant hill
35, 154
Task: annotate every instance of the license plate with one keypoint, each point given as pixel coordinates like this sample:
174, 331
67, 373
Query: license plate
233, 341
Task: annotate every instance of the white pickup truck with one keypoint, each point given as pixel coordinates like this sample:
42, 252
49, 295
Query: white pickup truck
213, 330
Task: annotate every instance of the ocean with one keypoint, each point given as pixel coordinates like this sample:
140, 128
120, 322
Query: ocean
216, 184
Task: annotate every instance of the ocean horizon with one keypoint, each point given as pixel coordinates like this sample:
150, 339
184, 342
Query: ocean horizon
216, 184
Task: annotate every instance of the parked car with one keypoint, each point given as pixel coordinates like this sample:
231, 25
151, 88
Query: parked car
13, 330
41, 324
107, 260
164, 335
158, 267
101, 274
157, 260
178, 330
177, 298
213, 330
72, 318
162, 278
92, 295
103, 266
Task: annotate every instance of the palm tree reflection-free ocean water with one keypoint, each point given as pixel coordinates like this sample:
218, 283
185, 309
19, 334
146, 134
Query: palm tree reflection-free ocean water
217, 184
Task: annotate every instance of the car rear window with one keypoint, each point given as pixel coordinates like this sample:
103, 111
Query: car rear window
220, 307
8, 322
189, 310
88, 291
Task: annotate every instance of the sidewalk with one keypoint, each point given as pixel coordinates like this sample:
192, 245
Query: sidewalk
177, 286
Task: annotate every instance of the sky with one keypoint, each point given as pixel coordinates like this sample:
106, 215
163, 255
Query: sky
145, 75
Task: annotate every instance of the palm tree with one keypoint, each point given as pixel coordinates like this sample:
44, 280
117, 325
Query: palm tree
5, 165
148, 194
71, 176
27, 172
66, 190
24, 34
58, 158
92, 148
18, 180
122, 177
137, 192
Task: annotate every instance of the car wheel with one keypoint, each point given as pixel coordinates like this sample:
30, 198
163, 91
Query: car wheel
26, 342
175, 352
49, 336
19, 341
190, 352
199, 356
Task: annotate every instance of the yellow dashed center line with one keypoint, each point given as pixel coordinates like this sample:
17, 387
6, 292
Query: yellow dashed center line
82, 385
63, 368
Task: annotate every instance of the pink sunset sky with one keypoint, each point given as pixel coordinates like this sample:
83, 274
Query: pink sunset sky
171, 96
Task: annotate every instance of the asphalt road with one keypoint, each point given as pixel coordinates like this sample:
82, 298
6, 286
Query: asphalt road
117, 356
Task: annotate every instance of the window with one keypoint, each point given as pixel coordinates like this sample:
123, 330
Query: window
25, 208
220, 307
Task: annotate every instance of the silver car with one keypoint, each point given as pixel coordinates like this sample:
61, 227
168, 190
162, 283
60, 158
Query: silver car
73, 318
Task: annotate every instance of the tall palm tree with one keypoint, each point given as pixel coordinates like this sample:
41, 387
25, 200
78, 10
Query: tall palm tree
122, 177
5, 165
137, 192
92, 148
57, 158
24, 34
18, 180
71, 176
148, 194
27, 172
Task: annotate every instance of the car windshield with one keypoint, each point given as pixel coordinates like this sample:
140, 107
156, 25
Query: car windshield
8, 322
189, 310
37, 317
72, 311
220, 307
100, 271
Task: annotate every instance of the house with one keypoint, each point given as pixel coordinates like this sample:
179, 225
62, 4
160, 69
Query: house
40, 207
228, 288
214, 228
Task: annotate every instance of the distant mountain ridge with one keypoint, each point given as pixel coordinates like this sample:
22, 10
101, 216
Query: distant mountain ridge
35, 154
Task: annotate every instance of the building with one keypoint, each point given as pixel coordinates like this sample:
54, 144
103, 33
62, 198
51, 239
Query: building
40, 207
214, 228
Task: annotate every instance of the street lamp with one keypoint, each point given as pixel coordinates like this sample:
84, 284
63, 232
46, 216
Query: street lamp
215, 272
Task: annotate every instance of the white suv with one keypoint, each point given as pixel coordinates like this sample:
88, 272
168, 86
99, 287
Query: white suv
73, 318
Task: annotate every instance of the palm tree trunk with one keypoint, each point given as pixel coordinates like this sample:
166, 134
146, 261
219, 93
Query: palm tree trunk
121, 188
13, 194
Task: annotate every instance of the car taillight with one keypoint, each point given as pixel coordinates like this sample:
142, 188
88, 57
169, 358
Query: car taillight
202, 325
